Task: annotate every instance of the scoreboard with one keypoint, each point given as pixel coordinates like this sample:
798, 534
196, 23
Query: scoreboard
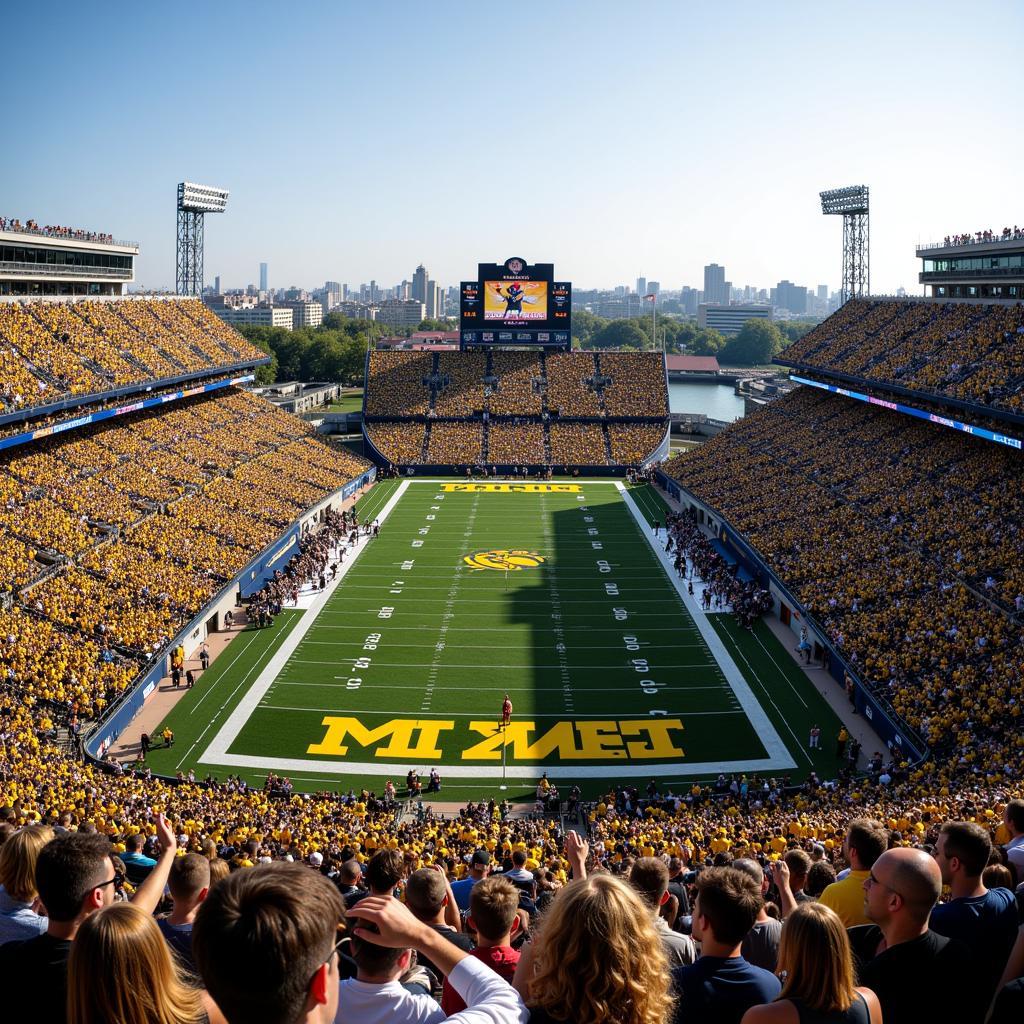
515, 303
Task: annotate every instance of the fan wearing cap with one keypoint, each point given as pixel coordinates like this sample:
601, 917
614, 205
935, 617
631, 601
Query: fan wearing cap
479, 869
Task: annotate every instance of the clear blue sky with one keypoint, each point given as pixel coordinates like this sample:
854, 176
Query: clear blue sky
611, 139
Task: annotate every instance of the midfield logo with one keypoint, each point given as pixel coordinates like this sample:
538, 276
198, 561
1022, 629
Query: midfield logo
503, 559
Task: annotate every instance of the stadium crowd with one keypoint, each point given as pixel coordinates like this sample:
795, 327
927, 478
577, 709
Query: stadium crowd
970, 352
522, 396
577, 444
53, 350
904, 551
32, 227
140, 521
689, 907
454, 443
1007, 234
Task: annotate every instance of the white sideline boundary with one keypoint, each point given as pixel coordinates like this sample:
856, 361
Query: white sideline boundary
778, 759
217, 751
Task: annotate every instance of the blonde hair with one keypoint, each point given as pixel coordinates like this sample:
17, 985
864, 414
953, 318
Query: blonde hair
599, 958
18, 862
815, 958
121, 972
219, 870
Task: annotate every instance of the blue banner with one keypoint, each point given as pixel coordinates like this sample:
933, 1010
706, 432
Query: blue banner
909, 410
120, 410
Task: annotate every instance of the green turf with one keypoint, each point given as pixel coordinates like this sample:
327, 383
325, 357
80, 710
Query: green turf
349, 402
440, 643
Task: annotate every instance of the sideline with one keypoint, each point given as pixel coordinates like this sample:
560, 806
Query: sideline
217, 751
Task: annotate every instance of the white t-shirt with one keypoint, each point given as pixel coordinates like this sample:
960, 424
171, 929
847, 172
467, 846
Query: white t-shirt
489, 999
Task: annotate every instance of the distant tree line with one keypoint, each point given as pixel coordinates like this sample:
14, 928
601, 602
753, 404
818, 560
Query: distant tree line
759, 341
336, 350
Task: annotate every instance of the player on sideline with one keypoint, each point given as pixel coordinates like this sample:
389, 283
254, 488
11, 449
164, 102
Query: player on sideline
506, 712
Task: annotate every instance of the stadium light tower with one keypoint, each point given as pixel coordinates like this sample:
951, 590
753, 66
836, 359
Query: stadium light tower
194, 202
851, 203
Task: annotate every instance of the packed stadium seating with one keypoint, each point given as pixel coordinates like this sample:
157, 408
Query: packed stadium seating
905, 547
908, 552
51, 351
169, 497
966, 351
558, 402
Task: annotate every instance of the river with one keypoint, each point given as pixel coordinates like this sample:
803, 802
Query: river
714, 400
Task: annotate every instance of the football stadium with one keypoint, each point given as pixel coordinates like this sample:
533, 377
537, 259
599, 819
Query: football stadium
487, 686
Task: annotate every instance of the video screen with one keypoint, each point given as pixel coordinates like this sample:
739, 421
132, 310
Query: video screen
515, 302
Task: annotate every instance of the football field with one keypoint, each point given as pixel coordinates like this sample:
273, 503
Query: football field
557, 594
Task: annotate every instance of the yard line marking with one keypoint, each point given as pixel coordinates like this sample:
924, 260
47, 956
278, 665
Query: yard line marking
773, 744
482, 715
218, 748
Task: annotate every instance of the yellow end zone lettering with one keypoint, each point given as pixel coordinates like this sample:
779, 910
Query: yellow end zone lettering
400, 731
414, 739
512, 488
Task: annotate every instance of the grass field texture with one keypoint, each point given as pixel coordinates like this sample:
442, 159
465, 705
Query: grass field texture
557, 597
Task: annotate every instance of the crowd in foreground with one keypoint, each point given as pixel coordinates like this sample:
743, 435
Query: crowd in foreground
151, 928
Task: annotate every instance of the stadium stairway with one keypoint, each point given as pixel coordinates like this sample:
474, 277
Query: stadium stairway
485, 442
607, 443
425, 453
547, 437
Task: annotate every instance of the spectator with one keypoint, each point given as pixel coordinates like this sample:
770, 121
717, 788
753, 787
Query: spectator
677, 888
518, 873
984, 920
816, 963
799, 864
75, 877
18, 907
428, 896
649, 877
349, 882
721, 986
820, 876
865, 842
189, 884
761, 944
479, 869
597, 958
264, 941
916, 974
1013, 819
137, 864
494, 917
121, 970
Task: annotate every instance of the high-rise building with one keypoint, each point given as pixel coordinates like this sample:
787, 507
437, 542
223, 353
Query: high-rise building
641, 286
715, 288
402, 312
216, 285
688, 299
419, 284
653, 288
790, 296
263, 277
823, 293
435, 301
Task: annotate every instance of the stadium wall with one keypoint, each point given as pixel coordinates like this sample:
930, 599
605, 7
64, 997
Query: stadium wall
890, 731
275, 556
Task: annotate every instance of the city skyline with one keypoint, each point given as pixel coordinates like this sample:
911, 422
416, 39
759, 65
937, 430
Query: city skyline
708, 144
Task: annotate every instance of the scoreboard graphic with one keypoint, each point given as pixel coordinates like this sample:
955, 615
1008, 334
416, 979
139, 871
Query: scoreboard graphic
516, 303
